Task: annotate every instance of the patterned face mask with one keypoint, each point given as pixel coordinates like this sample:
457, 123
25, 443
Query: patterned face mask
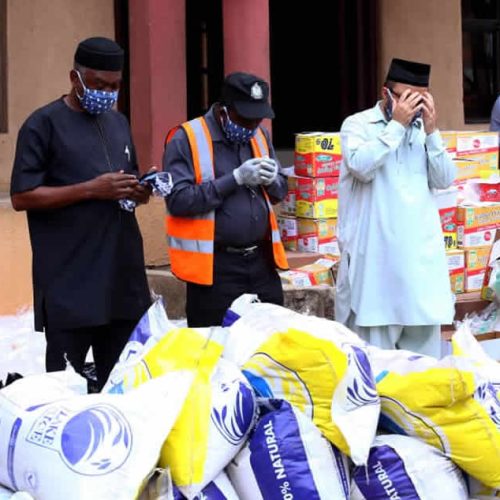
96, 102
234, 132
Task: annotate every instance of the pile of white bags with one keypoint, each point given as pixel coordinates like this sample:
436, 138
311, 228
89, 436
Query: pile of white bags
273, 406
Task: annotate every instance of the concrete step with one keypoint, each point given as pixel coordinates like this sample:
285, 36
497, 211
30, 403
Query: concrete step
315, 300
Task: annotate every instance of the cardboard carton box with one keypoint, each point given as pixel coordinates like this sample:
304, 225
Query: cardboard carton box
446, 202
476, 225
456, 269
317, 197
288, 232
481, 146
474, 279
318, 154
450, 141
318, 235
467, 169
289, 204
492, 269
318, 273
476, 258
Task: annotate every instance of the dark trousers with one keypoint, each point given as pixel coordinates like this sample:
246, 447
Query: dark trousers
107, 342
234, 274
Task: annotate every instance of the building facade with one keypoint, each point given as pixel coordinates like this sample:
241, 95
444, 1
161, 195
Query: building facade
324, 62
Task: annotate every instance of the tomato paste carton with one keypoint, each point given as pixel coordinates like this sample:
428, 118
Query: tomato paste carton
466, 169
289, 203
476, 261
317, 273
480, 146
317, 198
449, 138
318, 154
446, 202
477, 224
456, 269
488, 291
318, 236
288, 231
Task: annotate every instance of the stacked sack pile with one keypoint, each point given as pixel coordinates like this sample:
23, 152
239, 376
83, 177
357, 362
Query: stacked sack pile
470, 210
308, 215
272, 405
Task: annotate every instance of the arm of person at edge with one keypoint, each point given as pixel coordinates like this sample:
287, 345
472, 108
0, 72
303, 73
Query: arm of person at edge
30, 172
495, 116
279, 187
441, 170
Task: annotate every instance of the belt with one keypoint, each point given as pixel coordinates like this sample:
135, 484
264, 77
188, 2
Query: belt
249, 250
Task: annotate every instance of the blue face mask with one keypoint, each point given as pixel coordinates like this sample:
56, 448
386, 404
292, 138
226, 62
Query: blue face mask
96, 102
234, 132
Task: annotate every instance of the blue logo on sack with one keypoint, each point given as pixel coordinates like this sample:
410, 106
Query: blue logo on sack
362, 390
233, 415
96, 441
385, 476
486, 395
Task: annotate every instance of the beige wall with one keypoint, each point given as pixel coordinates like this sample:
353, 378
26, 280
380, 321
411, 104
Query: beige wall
42, 36
41, 40
427, 31
15, 260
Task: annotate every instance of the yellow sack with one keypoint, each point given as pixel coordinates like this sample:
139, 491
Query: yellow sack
443, 403
317, 365
217, 414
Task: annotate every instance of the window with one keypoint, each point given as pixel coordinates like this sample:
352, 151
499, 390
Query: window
3, 66
481, 52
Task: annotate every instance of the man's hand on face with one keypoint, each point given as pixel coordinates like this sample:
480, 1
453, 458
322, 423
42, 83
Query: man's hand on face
406, 107
429, 114
113, 186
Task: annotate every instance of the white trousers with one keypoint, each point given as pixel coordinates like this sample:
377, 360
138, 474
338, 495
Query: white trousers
424, 339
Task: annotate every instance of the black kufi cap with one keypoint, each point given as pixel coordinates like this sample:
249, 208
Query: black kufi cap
248, 95
100, 53
409, 72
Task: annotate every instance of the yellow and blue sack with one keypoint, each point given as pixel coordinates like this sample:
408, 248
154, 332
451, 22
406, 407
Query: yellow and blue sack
219, 410
317, 365
464, 343
444, 403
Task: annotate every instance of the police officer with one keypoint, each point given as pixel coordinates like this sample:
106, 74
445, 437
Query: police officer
74, 160
222, 233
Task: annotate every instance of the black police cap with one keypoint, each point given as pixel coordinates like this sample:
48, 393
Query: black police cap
248, 94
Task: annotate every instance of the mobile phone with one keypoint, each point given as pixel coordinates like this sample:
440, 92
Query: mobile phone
389, 103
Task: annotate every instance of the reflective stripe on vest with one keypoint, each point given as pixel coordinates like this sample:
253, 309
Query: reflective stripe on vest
191, 239
261, 148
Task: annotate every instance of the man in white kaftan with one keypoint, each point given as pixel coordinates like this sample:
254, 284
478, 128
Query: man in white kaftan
393, 287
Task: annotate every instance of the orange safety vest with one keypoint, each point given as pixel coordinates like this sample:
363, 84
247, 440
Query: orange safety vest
191, 239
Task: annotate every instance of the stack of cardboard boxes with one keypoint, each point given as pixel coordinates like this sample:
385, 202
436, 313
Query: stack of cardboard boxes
308, 219
469, 229
308, 216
